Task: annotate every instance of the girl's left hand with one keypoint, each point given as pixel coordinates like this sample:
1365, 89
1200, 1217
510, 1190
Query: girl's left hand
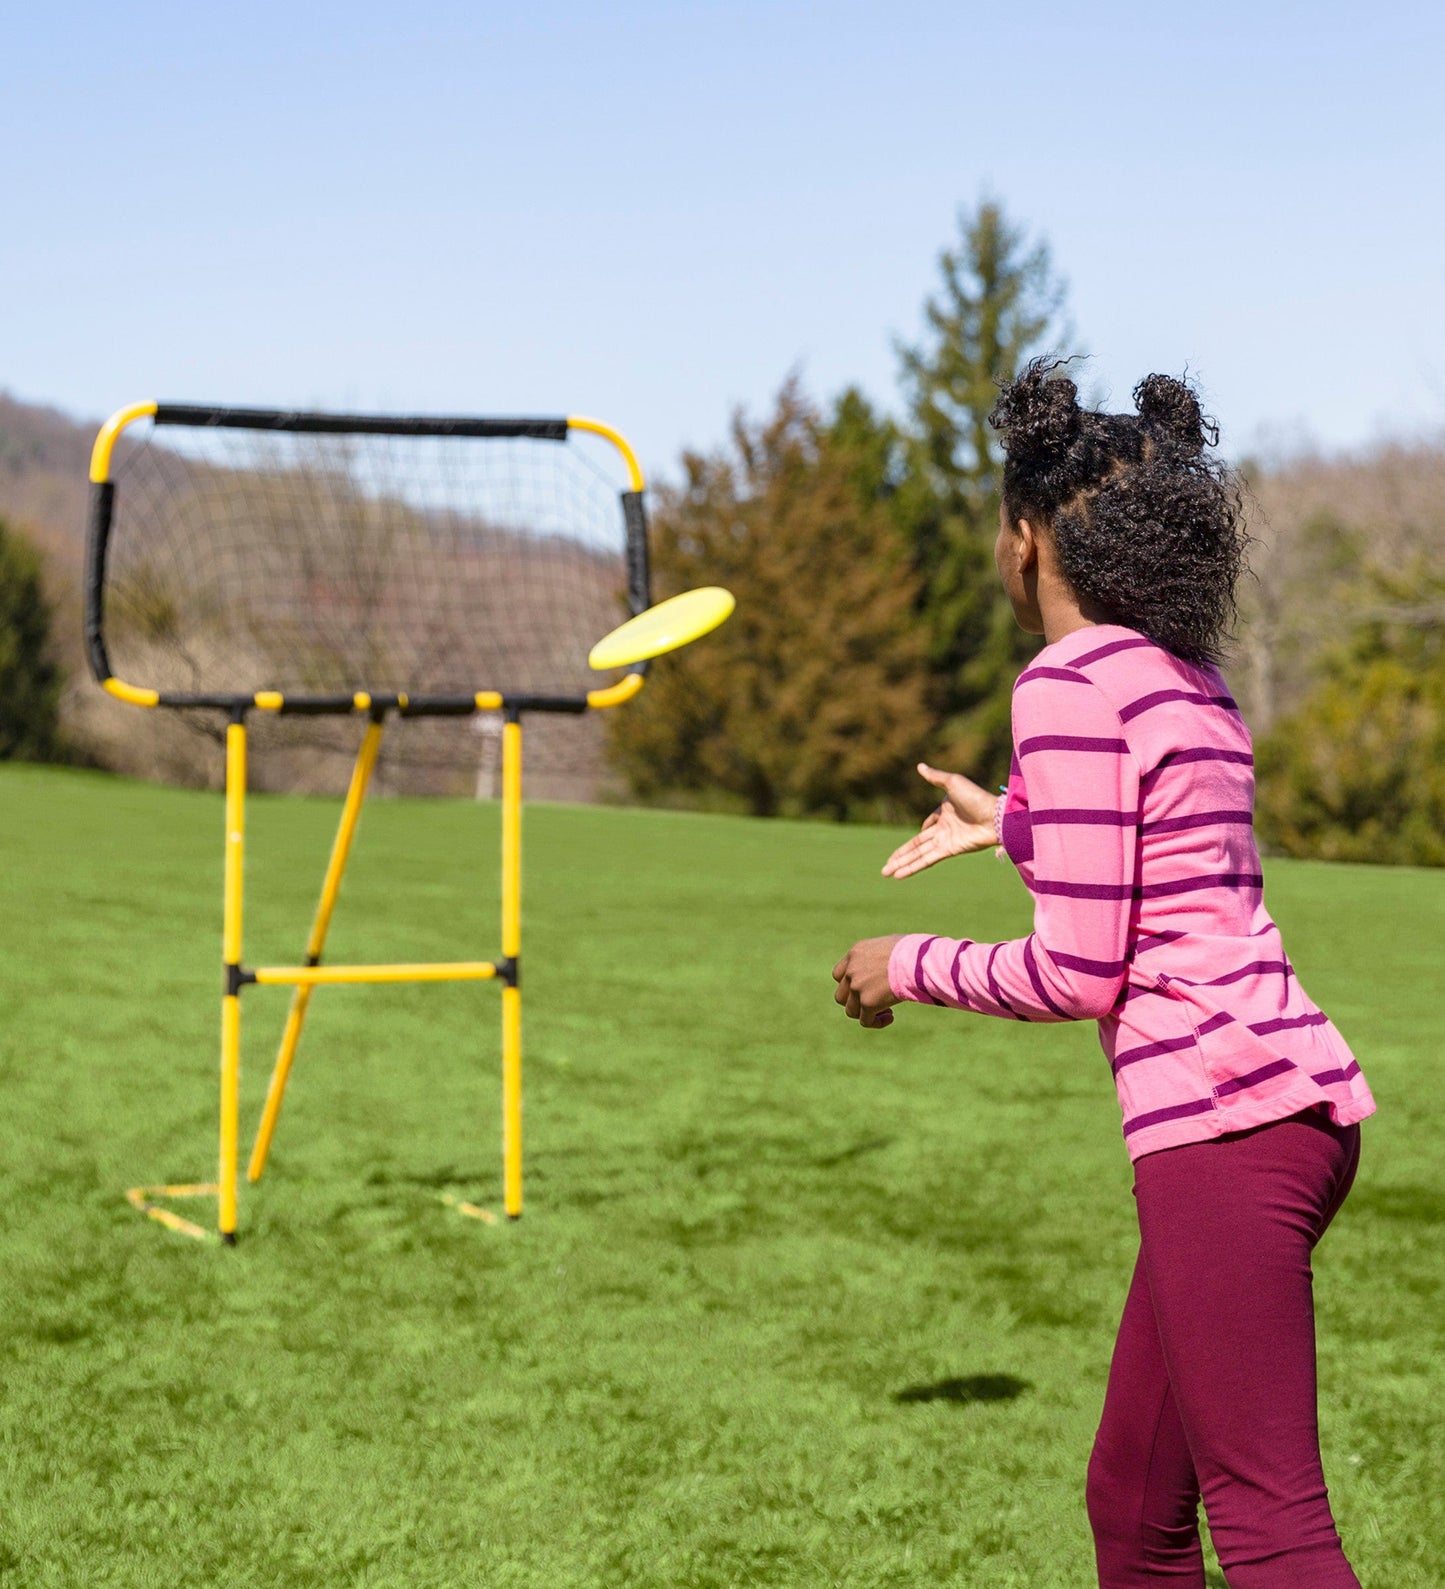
862, 978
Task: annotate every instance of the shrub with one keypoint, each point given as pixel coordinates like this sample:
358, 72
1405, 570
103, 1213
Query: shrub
29, 678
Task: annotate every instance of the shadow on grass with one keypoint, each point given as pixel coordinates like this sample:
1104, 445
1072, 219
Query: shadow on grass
442, 1180
976, 1387
871, 1145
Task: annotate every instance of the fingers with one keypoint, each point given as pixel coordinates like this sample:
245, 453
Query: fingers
933, 775
924, 843
913, 846
916, 856
902, 856
856, 1010
841, 969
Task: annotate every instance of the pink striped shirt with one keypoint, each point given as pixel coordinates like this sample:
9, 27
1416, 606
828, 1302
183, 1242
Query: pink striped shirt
1130, 816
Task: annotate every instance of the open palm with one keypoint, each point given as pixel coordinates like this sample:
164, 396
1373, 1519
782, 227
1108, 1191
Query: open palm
962, 824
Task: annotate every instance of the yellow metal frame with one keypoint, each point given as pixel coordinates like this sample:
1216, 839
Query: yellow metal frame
305, 978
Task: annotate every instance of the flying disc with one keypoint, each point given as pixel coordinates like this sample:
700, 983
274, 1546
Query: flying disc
678, 621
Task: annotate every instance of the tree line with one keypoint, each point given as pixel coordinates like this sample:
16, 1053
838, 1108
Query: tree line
871, 631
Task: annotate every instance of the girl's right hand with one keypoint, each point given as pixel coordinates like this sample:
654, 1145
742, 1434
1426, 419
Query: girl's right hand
962, 824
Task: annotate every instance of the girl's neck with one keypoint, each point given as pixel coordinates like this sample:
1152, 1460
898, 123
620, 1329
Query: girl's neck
1063, 613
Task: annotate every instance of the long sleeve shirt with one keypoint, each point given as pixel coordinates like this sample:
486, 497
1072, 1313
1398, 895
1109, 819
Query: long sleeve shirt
1129, 813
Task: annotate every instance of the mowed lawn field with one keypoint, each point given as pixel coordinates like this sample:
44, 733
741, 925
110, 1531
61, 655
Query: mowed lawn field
792, 1304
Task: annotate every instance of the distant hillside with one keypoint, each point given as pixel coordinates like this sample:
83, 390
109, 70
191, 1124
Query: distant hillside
44, 464
44, 461
1324, 527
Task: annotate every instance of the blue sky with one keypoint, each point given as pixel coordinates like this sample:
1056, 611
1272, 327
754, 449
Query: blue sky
652, 212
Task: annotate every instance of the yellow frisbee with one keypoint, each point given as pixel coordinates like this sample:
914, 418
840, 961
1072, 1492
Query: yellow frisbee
678, 621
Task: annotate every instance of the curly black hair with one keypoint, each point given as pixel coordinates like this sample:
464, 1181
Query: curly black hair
1148, 526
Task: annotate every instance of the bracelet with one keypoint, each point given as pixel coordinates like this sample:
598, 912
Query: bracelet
998, 816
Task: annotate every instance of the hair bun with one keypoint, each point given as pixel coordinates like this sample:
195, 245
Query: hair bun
1039, 412
1169, 408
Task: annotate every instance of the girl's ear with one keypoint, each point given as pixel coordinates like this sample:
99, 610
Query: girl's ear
1026, 545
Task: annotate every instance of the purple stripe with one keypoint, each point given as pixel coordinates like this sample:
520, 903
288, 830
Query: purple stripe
1165, 1045
1084, 816
1286, 1023
963, 998
1200, 819
1044, 885
1254, 968
1066, 675
1172, 935
1147, 703
1213, 1024
918, 982
1177, 1111
1276, 1067
1031, 965
1328, 1078
1092, 968
1188, 885
1117, 747
1180, 885
993, 986
1110, 649
1184, 758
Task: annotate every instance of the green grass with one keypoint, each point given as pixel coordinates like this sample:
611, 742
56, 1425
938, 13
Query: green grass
752, 1229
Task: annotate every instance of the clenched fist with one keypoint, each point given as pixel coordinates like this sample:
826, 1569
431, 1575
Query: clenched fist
862, 978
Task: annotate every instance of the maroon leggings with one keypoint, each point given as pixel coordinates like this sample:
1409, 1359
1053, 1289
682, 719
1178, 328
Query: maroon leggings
1212, 1387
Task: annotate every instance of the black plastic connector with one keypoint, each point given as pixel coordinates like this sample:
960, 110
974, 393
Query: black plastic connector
236, 979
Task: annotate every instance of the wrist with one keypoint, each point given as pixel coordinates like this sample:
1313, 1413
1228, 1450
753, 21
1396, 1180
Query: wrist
904, 965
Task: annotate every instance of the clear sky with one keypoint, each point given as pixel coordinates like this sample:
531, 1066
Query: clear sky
652, 212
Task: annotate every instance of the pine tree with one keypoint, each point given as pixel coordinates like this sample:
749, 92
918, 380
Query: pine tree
813, 697
998, 303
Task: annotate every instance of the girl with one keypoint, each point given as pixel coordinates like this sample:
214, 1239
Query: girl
1129, 814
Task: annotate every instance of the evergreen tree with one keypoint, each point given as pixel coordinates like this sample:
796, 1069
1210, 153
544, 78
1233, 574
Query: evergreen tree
998, 303
29, 679
813, 698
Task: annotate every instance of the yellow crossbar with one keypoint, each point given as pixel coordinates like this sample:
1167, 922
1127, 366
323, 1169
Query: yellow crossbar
309, 976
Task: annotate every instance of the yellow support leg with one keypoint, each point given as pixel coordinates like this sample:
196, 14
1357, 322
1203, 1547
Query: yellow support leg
230, 1113
231, 955
511, 955
301, 998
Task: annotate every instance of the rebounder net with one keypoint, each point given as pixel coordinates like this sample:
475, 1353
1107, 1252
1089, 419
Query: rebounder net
320, 556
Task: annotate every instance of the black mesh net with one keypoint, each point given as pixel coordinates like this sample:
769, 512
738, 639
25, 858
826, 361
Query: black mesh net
243, 560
